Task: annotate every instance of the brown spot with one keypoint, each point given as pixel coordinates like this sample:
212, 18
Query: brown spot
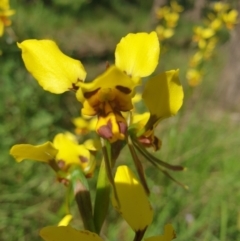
123, 89
105, 132
64, 181
61, 164
145, 140
88, 95
83, 159
156, 143
74, 87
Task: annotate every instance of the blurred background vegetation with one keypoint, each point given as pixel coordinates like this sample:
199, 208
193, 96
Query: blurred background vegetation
204, 136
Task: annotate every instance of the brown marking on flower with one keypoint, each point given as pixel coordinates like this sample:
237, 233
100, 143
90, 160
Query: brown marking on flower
64, 181
61, 164
156, 143
83, 159
88, 95
123, 89
105, 132
122, 127
74, 87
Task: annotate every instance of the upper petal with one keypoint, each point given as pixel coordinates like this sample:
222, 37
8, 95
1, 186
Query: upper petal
130, 192
163, 95
44, 153
54, 71
138, 54
65, 233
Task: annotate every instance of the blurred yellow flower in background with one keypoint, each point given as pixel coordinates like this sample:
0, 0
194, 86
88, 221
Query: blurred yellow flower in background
5, 13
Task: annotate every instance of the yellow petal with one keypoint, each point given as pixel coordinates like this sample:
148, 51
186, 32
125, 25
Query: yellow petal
163, 94
67, 233
134, 205
53, 70
138, 54
66, 220
169, 234
140, 120
44, 153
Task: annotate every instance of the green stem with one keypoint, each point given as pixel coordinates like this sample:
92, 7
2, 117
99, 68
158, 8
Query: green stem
101, 204
106, 150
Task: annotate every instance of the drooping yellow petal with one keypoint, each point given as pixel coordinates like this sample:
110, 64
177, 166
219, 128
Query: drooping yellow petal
67, 233
65, 220
138, 54
54, 71
134, 205
44, 153
163, 94
169, 234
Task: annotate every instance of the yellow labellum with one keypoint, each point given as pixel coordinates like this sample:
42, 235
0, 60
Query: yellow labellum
67, 233
54, 71
134, 205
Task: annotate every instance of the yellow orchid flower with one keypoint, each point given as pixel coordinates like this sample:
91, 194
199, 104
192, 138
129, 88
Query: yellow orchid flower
111, 93
202, 33
171, 19
209, 48
161, 12
64, 151
176, 7
230, 18
216, 24
196, 59
5, 13
194, 77
164, 33
220, 7
136, 56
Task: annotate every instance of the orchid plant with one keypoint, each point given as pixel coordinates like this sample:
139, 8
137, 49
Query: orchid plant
108, 102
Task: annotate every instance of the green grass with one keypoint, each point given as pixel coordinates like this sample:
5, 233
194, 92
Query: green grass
203, 137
